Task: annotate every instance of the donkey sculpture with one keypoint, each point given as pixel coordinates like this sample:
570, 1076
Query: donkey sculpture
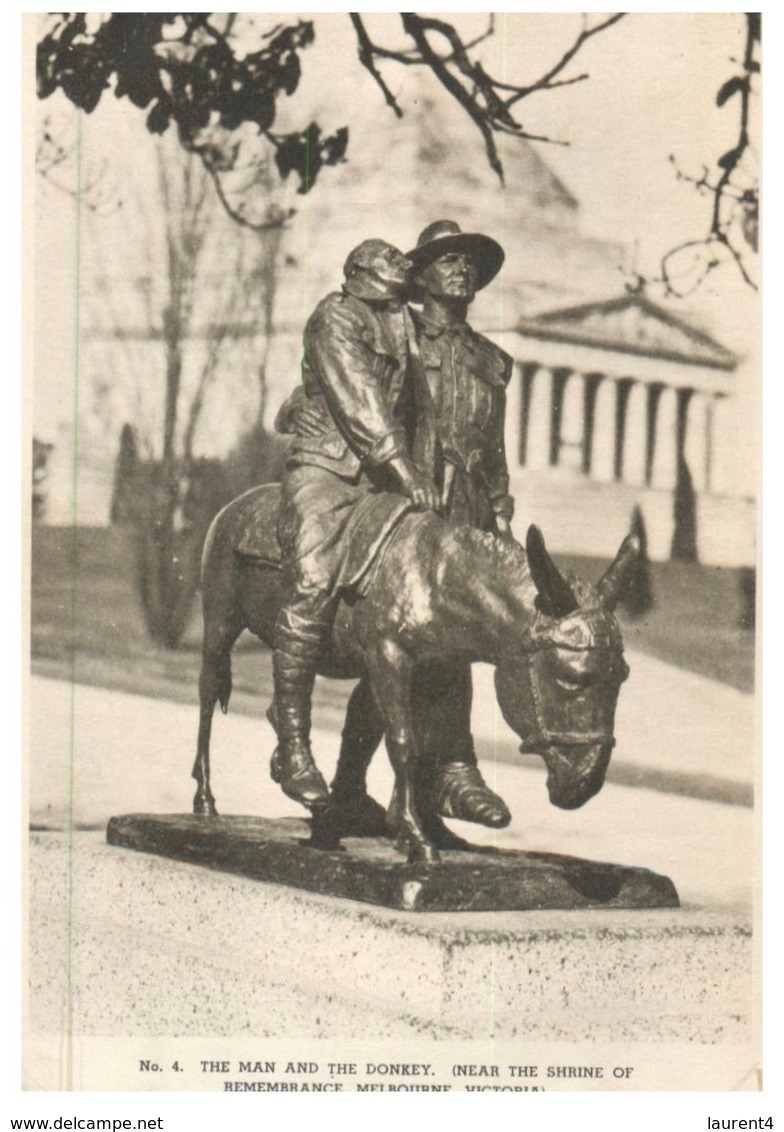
439, 593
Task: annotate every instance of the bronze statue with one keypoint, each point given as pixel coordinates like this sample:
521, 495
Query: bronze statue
458, 380
394, 562
445, 591
348, 481
466, 376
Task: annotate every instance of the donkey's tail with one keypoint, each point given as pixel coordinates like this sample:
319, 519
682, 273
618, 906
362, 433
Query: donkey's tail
215, 679
223, 681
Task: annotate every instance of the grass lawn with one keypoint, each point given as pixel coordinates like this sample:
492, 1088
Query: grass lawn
87, 625
695, 622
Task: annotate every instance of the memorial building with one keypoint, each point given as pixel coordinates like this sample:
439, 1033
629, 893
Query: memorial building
615, 402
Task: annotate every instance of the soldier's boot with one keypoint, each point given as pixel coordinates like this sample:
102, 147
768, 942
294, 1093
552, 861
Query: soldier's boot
297, 647
459, 791
462, 793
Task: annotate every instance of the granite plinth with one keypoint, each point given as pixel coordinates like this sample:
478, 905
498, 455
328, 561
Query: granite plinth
125, 944
371, 871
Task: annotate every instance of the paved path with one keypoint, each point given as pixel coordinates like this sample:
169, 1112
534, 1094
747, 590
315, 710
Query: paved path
96, 752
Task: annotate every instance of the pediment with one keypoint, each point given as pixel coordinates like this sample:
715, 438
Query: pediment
631, 324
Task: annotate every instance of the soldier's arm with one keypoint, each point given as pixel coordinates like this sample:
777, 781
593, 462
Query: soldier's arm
496, 467
337, 344
296, 417
419, 489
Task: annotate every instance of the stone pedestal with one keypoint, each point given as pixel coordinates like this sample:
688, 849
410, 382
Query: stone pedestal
372, 871
124, 943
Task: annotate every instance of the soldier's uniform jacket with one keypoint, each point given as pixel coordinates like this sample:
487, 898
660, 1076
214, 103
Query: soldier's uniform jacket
467, 375
349, 413
353, 412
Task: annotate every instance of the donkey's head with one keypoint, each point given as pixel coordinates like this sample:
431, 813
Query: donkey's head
559, 690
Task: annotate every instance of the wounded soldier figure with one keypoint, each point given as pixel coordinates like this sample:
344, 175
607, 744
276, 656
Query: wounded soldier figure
353, 416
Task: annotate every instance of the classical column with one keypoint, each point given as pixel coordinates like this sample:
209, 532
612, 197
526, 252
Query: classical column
724, 452
540, 408
590, 385
697, 443
572, 435
710, 442
523, 377
603, 437
665, 444
514, 422
635, 437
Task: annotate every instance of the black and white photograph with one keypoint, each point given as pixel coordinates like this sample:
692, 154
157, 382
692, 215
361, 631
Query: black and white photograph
392, 432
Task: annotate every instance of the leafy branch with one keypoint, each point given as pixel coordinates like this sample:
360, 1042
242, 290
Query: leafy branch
184, 69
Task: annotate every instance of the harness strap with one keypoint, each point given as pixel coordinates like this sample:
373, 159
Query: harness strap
543, 736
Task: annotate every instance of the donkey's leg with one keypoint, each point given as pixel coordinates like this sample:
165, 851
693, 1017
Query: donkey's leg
214, 687
390, 671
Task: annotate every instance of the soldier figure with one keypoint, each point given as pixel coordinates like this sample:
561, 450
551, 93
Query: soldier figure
353, 417
467, 377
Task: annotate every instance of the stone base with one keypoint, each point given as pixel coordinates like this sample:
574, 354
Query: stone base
371, 871
128, 944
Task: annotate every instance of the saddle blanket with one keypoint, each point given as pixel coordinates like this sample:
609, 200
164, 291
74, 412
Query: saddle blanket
361, 535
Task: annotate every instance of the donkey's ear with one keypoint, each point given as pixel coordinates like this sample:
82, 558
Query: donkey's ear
554, 593
618, 575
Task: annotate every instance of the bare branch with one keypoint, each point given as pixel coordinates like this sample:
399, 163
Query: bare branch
568, 82
546, 81
60, 163
486, 34
416, 28
366, 58
732, 186
487, 100
739, 261
219, 161
276, 219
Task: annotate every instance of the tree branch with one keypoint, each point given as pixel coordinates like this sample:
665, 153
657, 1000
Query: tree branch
734, 191
366, 57
277, 219
416, 28
487, 100
195, 71
546, 81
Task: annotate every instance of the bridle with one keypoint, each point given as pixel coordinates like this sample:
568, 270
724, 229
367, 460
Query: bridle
543, 737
